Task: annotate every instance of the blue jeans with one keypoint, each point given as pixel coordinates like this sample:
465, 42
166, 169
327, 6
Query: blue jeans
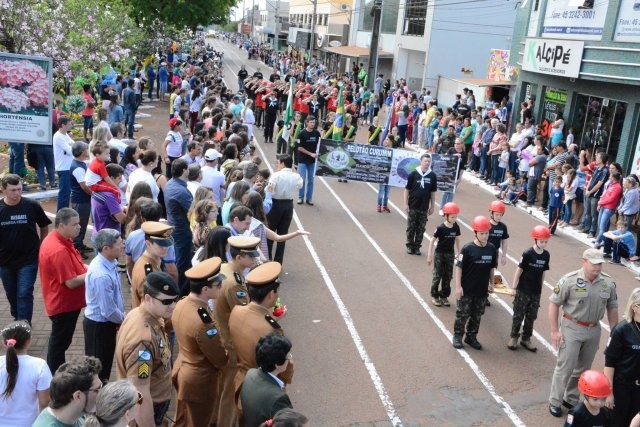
18, 285
16, 158
307, 172
44, 154
567, 211
129, 120
447, 196
604, 218
590, 216
483, 160
64, 192
383, 194
616, 249
495, 170
402, 134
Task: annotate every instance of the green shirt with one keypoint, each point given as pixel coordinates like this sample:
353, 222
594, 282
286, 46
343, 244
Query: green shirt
47, 419
469, 139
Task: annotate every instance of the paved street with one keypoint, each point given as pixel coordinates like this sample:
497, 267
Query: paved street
369, 348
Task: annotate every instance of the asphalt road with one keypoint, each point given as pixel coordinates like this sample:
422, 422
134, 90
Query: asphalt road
369, 347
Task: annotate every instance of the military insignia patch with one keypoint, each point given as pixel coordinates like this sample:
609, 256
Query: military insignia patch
241, 294
204, 315
272, 322
143, 370
556, 289
212, 332
144, 355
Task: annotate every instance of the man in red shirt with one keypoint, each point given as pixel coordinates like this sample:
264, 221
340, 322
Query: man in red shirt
62, 275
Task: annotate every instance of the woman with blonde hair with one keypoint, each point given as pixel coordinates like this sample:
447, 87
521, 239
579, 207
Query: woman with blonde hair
117, 404
622, 363
204, 216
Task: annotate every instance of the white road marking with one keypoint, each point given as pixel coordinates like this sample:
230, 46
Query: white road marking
506, 306
508, 410
392, 414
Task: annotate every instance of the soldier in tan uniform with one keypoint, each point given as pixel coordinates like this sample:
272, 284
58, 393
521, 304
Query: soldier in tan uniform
243, 251
247, 324
202, 355
584, 295
143, 354
157, 239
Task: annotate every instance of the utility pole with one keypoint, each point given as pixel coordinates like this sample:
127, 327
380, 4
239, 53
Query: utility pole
277, 33
373, 52
313, 29
253, 13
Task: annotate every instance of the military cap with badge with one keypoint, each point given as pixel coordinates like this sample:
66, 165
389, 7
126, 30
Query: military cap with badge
158, 233
245, 245
161, 282
206, 272
265, 275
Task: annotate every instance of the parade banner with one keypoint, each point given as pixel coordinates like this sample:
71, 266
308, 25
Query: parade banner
25, 98
380, 165
355, 162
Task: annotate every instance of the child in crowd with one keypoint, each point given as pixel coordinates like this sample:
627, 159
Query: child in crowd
97, 178
595, 387
619, 243
510, 193
556, 196
436, 140
570, 137
447, 237
527, 283
569, 185
503, 164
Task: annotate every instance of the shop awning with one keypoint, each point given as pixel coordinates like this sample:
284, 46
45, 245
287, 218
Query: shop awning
483, 82
355, 51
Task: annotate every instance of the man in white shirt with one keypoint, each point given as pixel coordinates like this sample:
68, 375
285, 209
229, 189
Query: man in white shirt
286, 183
62, 144
148, 162
213, 178
117, 132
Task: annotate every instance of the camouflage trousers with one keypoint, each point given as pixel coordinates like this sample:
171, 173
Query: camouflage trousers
469, 311
442, 274
416, 223
525, 307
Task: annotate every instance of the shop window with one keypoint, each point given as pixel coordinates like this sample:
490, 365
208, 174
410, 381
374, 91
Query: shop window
415, 15
598, 122
389, 17
366, 18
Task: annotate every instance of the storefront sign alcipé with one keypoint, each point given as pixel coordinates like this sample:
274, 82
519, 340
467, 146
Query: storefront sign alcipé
555, 57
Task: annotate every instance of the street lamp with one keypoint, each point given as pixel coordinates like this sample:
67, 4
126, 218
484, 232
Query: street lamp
313, 29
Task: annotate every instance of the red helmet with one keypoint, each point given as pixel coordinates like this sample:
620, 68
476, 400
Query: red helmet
497, 206
451, 208
334, 90
594, 384
481, 224
541, 232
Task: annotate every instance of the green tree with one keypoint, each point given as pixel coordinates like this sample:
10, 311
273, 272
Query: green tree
182, 13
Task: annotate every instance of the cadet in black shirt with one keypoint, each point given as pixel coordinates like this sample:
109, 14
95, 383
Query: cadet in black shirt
447, 236
528, 285
419, 202
474, 279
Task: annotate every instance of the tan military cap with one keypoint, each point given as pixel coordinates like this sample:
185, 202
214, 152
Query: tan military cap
594, 256
245, 244
158, 232
264, 274
208, 270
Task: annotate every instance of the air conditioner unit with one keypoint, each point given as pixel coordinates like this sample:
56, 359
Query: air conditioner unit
344, 7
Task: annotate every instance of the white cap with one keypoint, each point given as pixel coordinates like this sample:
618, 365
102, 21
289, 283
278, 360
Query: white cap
212, 154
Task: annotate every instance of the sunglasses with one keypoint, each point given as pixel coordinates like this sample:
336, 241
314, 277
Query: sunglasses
166, 301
